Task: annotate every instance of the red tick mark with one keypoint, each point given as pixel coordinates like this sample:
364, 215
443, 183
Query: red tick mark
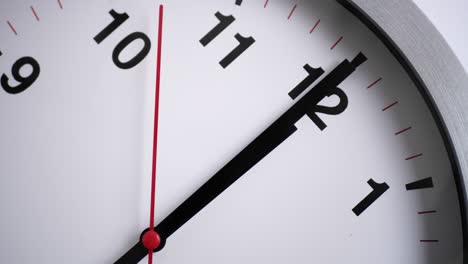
292, 11
336, 43
60, 4
390, 106
315, 26
428, 241
266, 3
35, 13
12, 28
427, 212
402, 131
414, 157
374, 83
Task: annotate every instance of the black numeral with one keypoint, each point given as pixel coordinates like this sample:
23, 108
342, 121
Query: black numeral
378, 189
124, 43
224, 22
24, 81
119, 19
336, 110
314, 74
244, 42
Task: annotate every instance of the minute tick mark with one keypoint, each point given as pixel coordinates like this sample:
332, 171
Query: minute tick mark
389, 106
429, 241
60, 4
292, 11
336, 43
12, 27
403, 131
374, 83
427, 212
414, 157
35, 14
315, 26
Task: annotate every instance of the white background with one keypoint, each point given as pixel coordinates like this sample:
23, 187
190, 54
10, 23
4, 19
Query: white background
449, 17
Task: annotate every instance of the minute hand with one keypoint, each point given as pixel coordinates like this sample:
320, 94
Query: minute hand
259, 148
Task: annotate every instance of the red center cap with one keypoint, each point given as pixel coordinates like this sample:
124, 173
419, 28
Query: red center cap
151, 240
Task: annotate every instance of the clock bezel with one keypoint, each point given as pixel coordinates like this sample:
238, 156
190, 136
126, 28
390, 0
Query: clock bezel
395, 22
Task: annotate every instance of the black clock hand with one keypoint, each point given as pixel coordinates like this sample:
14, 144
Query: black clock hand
259, 148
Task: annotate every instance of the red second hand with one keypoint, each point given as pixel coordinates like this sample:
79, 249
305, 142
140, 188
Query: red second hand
151, 239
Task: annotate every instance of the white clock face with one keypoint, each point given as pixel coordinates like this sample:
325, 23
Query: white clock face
354, 167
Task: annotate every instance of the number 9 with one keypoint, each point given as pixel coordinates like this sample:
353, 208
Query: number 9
24, 82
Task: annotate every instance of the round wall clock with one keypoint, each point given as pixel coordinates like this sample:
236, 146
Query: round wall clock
254, 131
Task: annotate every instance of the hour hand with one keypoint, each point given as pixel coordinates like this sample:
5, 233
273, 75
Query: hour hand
134, 255
260, 147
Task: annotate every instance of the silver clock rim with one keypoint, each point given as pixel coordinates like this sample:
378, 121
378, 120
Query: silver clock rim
436, 71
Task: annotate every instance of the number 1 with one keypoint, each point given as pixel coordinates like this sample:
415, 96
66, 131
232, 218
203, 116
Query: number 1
224, 22
119, 19
244, 43
378, 190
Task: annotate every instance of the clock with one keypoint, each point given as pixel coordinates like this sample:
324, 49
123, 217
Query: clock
234, 131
